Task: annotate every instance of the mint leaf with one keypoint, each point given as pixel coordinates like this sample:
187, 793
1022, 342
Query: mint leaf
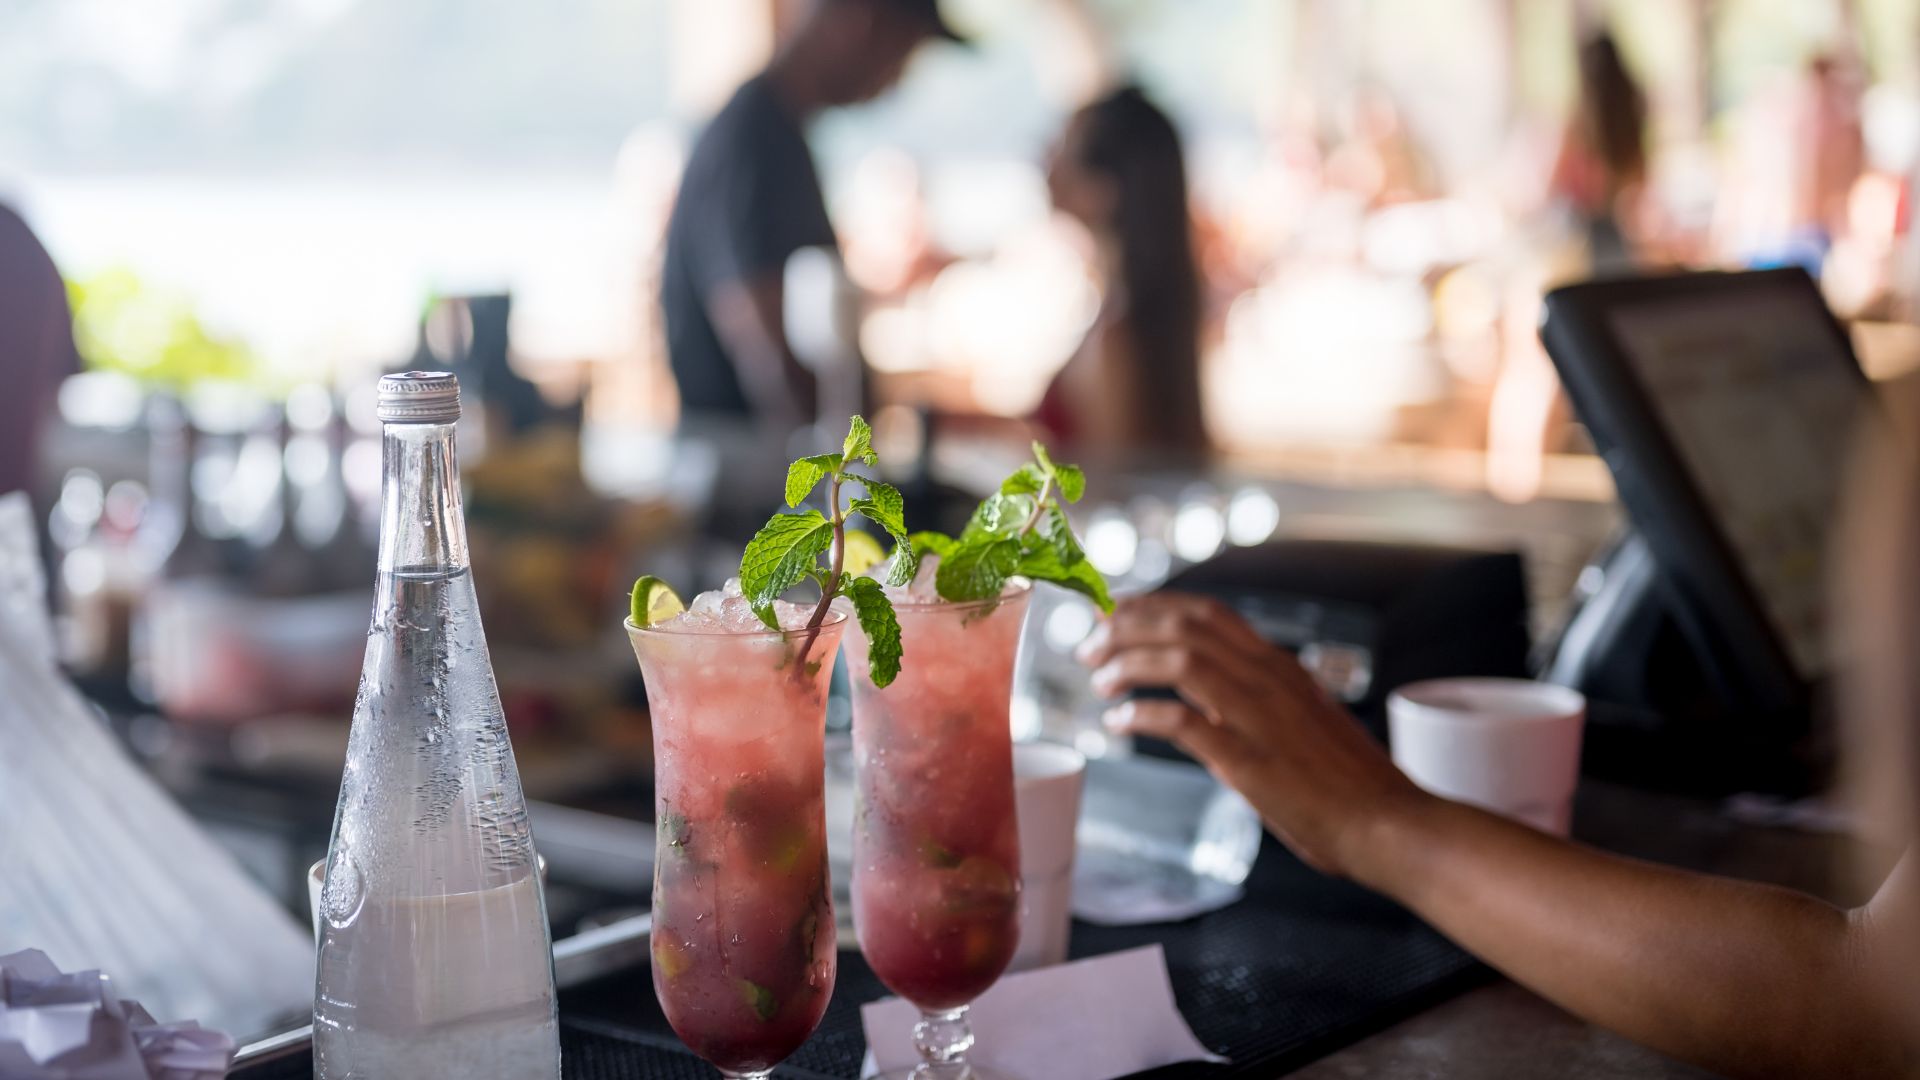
1026, 480
1040, 455
759, 999
904, 565
877, 621
804, 474
998, 516
884, 506
781, 555
1058, 533
978, 569
1043, 564
859, 444
1071, 482
935, 854
937, 543
673, 831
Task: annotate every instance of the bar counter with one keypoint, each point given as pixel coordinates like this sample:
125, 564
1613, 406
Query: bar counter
1305, 977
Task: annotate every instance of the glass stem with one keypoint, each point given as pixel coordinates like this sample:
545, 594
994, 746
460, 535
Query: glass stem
943, 1039
763, 1074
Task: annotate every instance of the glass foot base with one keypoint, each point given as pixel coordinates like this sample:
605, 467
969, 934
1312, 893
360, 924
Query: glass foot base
943, 1038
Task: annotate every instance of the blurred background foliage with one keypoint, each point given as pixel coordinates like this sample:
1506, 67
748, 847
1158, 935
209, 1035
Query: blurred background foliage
122, 324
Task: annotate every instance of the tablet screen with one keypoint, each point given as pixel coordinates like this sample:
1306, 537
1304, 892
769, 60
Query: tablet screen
1759, 398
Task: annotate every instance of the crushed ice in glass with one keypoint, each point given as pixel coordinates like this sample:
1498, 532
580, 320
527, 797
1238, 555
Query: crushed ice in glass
725, 611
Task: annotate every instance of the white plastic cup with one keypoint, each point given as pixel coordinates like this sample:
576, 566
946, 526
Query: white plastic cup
316, 881
1047, 779
1507, 745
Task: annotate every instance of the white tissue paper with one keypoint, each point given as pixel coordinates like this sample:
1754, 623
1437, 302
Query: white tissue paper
1093, 1019
57, 1026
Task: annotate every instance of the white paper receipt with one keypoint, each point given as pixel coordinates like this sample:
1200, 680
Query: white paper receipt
1093, 1019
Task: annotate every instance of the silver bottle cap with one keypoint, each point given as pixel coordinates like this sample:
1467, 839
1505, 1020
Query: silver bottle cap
419, 397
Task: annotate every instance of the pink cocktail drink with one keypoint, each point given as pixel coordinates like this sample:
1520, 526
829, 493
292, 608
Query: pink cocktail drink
936, 846
743, 938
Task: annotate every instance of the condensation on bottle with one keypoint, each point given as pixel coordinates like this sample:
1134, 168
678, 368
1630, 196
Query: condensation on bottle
435, 957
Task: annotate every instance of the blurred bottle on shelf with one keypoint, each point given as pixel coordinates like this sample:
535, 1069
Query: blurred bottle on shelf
181, 494
223, 476
81, 582
169, 511
250, 618
326, 518
282, 566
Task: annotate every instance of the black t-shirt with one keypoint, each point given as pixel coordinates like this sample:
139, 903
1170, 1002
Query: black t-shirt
749, 199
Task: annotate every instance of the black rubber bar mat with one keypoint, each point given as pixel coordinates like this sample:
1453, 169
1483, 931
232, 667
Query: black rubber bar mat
1302, 966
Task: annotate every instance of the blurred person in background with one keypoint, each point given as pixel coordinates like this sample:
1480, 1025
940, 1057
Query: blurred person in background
36, 348
1600, 174
1597, 196
1826, 123
1798, 153
1134, 383
750, 199
1743, 978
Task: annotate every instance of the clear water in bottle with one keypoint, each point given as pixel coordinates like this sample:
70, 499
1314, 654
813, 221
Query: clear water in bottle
435, 958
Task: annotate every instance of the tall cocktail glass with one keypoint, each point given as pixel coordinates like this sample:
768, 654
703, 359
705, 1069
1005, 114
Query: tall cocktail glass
936, 863
743, 939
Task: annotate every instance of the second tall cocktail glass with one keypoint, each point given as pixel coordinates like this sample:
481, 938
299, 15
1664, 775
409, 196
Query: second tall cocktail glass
743, 940
936, 847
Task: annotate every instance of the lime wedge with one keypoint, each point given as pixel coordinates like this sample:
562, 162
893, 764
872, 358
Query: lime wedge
654, 601
863, 552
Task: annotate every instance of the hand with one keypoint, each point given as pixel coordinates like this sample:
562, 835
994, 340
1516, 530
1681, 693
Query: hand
1255, 719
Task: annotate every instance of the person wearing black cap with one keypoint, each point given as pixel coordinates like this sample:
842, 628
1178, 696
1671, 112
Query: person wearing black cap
750, 198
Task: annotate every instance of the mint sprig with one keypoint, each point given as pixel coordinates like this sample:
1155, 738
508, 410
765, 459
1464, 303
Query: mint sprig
788, 550
1021, 530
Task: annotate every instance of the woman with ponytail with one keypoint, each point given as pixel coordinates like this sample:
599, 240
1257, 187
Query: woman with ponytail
1134, 384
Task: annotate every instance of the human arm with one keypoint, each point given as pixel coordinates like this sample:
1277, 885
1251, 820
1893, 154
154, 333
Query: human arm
1746, 979
748, 315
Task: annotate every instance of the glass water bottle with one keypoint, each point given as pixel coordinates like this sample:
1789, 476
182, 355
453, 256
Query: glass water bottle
435, 958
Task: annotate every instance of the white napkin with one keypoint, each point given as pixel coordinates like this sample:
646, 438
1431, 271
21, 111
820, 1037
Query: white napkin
1092, 1019
56, 1026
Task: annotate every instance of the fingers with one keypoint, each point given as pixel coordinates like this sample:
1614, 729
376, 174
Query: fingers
1201, 677
1177, 723
1206, 627
1166, 618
